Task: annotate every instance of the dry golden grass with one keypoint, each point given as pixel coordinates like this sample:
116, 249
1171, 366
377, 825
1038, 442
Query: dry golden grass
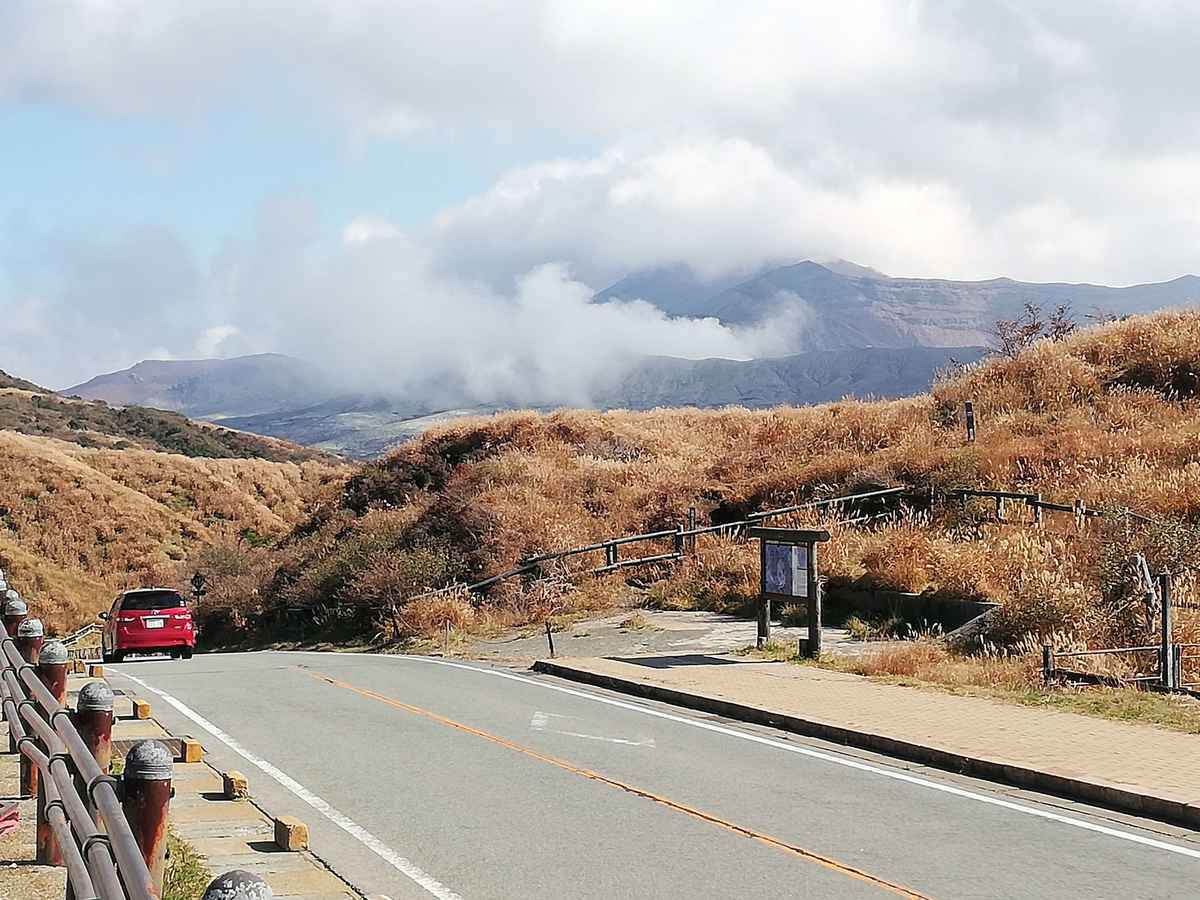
1109, 415
78, 524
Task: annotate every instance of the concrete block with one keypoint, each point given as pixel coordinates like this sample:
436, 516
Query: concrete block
234, 785
141, 709
291, 833
190, 751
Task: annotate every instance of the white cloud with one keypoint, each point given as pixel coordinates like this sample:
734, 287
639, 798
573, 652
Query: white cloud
926, 137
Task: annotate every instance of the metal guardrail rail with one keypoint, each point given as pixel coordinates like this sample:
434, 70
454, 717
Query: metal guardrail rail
111, 843
79, 802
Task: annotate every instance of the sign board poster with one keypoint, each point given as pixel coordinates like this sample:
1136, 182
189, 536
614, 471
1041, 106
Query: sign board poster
786, 569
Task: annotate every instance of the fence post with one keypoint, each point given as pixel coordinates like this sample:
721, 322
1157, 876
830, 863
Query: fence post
52, 671
1177, 665
1165, 658
691, 527
30, 637
1037, 513
147, 783
93, 718
1047, 665
28, 642
678, 541
610, 554
15, 612
1080, 514
970, 411
999, 509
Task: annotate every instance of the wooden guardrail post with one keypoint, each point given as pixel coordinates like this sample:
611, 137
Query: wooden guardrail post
1166, 660
691, 527
969, 408
1037, 512
147, 781
1047, 665
1080, 514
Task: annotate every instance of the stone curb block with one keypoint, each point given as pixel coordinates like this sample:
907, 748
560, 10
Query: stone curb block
234, 785
1091, 792
291, 833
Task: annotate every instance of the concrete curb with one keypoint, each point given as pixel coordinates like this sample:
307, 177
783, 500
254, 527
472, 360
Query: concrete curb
1095, 793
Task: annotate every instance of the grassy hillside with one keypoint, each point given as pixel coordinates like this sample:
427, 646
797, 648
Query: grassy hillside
27, 409
1108, 415
78, 523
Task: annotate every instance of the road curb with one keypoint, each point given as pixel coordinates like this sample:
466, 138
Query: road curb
1095, 793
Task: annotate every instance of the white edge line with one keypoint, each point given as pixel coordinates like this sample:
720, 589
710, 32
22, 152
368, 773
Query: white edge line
378, 847
790, 748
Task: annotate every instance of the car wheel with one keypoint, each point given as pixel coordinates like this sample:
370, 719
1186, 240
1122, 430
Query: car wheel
186, 652
173, 653
116, 656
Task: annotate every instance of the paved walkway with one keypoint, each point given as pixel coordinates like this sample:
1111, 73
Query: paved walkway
229, 834
1139, 768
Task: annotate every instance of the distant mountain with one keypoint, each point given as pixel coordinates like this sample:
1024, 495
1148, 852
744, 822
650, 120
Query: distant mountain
815, 377
831, 310
676, 290
212, 388
841, 305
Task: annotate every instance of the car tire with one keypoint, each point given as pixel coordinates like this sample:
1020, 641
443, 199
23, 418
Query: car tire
117, 656
186, 652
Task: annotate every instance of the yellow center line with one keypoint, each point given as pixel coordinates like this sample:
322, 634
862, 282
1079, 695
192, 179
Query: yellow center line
808, 855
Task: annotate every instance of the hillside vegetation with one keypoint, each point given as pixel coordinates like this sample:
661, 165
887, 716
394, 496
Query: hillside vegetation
1108, 415
26, 409
79, 523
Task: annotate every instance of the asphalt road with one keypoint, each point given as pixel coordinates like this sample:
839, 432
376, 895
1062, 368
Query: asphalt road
420, 777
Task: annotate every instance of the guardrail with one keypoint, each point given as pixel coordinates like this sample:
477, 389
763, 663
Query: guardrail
109, 835
1169, 655
1078, 508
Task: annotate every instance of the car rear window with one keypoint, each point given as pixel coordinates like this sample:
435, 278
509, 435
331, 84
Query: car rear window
142, 600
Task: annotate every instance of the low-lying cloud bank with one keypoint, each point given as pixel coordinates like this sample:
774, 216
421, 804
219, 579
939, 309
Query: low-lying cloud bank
376, 311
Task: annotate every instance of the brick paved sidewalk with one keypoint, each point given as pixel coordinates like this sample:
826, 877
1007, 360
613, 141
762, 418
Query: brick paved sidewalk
1135, 768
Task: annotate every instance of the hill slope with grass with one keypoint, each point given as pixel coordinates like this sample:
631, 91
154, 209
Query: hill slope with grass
95, 498
1109, 415
30, 410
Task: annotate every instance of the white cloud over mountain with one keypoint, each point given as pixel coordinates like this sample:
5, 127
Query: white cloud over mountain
961, 139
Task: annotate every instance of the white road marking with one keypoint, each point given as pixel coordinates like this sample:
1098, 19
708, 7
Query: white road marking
791, 748
378, 847
540, 721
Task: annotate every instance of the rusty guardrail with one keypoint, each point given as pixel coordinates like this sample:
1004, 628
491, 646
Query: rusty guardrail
109, 836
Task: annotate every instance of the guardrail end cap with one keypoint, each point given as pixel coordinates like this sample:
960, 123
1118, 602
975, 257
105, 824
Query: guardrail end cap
238, 885
31, 628
94, 696
148, 761
53, 653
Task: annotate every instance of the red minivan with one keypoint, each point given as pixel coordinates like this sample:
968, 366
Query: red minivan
148, 620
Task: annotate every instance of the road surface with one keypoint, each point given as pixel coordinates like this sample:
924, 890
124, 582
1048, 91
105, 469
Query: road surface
427, 778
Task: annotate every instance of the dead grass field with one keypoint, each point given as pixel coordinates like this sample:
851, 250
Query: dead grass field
1109, 415
78, 524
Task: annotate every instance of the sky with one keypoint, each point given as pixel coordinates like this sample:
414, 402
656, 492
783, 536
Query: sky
393, 187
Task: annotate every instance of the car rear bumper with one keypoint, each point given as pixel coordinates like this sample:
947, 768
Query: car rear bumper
155, 640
